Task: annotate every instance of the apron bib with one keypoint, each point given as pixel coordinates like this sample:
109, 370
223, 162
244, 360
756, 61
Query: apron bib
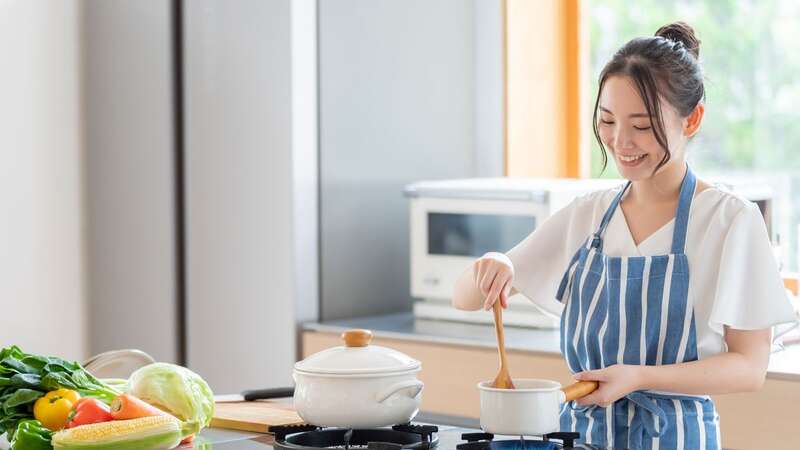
635, 310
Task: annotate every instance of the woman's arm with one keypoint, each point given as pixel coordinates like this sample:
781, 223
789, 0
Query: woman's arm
741, 369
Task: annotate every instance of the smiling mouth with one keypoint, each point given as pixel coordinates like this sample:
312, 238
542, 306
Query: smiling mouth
631, 158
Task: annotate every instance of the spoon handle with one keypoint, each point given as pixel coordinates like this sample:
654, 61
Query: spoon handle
498, 327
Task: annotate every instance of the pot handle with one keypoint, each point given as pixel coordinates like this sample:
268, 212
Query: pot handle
384, 395
578, 390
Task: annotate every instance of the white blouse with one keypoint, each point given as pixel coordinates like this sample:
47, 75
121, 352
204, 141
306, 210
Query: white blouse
733, 276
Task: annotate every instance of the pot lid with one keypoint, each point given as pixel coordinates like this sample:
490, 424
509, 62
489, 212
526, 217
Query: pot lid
357, 356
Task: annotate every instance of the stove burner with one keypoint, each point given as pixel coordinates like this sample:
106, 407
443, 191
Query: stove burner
485, 441
399, 437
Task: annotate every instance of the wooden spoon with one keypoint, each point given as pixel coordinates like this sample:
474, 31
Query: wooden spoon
503, 379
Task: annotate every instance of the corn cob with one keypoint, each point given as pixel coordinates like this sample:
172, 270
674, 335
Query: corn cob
146, 433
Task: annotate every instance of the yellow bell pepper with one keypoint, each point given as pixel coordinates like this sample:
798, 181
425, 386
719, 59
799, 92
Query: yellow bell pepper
53, 409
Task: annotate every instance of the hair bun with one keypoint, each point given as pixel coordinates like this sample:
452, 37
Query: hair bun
683, 33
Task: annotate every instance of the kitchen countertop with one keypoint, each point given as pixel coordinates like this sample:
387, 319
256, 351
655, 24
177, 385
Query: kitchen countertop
784, 364
229, 439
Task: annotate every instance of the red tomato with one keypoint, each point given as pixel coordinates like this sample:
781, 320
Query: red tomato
87, 411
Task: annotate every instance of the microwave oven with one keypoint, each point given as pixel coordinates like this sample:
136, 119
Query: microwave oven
453, 222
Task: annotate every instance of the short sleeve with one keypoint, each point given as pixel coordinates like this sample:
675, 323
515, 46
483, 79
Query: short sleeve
749, 293
541, 259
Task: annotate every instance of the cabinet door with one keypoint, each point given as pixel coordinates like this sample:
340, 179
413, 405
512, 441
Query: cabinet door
238, 119
130, 176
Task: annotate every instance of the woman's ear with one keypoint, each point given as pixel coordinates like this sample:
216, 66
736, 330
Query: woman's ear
691, 124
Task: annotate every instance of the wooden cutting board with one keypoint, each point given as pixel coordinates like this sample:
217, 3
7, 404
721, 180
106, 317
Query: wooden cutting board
258, 416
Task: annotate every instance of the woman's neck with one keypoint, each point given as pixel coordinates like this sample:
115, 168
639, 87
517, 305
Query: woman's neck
663, 187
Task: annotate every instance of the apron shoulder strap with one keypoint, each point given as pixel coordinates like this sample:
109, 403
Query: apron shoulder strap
682, 215
597, 238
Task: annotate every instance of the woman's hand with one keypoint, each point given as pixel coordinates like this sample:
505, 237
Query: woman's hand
493, 273
615, 382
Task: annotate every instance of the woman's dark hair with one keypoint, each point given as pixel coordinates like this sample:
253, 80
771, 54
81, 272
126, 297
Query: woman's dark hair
665, 65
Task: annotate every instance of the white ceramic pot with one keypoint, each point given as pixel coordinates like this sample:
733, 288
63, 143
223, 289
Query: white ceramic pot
357, 385
531, 409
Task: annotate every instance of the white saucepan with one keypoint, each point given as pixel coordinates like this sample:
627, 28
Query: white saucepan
357, 385
531, 409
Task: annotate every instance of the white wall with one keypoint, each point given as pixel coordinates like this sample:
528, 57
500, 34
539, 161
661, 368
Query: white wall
41, 205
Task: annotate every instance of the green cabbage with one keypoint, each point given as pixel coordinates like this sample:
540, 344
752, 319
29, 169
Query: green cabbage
174, 389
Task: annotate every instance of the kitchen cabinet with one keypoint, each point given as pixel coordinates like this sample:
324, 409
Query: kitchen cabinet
451, 369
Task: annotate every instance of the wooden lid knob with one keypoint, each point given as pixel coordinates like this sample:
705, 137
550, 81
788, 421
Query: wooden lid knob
357, 338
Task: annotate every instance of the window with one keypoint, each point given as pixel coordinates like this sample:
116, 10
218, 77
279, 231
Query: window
751, 55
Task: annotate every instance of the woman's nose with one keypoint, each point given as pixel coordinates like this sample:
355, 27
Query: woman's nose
623, 139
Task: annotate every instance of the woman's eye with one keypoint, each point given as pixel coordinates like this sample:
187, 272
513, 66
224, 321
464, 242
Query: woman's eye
607, 122
642, 128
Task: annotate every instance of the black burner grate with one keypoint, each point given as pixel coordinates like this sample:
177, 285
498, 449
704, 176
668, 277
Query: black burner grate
399, 437
485, 441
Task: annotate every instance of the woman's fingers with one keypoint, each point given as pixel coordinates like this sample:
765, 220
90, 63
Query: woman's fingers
499, 291
592, 375
590, 399
489, 298
495, 290
486, 280
504, 293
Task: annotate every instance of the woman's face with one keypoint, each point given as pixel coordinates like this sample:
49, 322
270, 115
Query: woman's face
627, 133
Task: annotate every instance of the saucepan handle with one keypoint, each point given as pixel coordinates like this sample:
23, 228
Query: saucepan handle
578, 390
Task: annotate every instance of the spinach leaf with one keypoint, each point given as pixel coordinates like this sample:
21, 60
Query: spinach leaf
22, 397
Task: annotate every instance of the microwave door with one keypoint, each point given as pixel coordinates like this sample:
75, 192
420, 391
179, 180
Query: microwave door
472, 234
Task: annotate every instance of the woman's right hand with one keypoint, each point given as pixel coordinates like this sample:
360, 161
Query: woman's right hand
493, 274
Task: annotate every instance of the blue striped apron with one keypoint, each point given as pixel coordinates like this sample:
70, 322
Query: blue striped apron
635, 310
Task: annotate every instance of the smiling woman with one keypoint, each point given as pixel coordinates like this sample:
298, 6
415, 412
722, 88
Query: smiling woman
669, 285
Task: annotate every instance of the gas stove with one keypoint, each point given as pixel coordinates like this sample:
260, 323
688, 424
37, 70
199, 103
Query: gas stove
416, 437
552, 441
398, 437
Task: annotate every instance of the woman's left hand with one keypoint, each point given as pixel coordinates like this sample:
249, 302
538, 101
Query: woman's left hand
615, 382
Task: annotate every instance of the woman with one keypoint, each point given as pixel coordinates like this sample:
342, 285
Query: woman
668, 284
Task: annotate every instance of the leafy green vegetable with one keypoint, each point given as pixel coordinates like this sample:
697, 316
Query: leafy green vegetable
31, 435
174, 389
25, 377
21, 397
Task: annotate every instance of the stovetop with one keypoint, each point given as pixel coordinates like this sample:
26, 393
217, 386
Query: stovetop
449, 437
